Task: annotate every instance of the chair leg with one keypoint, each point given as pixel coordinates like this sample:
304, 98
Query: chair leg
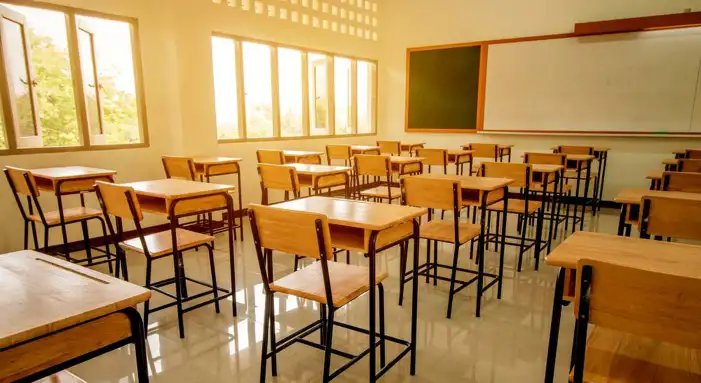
86, 241
428, 260
26, 235
383, 350
148, 286
453, 275
497, 231
403, 247
34, 235
108, 254
523, 240
329, 345
266, 327
46, 238
538, 241
273, 344
348, 257
215, 292
122, 254
435, 263
179, 290
297, 258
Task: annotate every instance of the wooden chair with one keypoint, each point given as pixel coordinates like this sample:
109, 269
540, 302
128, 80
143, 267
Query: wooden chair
681, 182
278, 177
523, 207
121, 202
572, 172
694, 154
377, 167
483, 151
445, 195
274, 157
689, 166
646, 325
23, 186
332, 285
393, 148
671, 217
434, 157
179, 167
537, 187
339, 153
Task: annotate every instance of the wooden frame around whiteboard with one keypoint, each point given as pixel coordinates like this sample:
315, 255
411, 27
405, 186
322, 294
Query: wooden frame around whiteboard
483, 89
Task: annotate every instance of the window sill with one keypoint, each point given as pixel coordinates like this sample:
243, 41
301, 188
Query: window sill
243, 140
13, 152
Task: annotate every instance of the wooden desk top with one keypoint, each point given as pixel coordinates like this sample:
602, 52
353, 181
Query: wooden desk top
635, 195
42, 294
545, 168
670, 161
71, 172
413, 143
364, 147
301, 153
405, 160
654, 175
175, 188
459, 152
319, 170
599, 149
470, 182
352, 213
216, 160
679, 152
666, 257
505, 146
580, 157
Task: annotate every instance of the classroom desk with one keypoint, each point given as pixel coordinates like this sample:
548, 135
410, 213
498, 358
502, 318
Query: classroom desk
546, 171
679, 259
678, 154
631, 198
406, 165
208, 167
302, 156
482, 192
411, 147
581, 162
459, 158
655, 178
670, 165
67, 180
56, 315
371, 227
318, 177
365, 149
602, 156
503, 150
175, 198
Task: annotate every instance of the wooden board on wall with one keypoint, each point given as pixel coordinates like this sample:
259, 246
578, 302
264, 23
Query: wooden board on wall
444, 89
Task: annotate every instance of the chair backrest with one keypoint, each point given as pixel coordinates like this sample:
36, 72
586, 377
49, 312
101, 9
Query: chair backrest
179, 167
670, 217
570, 149
432, 193
649, 303
693, 154
280, 177
682, 182
338, 152
483, 150
433, 157
544, 158
115, 200
372, 165
17, 177
289, 231
689, 166
519, 173
275, 157
390, 147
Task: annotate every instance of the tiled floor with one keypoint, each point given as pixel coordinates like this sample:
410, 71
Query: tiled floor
507, 344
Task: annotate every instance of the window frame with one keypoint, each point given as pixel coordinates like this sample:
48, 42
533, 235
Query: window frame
306, 91
72, 25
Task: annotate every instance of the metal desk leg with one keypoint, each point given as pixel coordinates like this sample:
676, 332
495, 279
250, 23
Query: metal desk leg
586, 194
555, 326
622, 219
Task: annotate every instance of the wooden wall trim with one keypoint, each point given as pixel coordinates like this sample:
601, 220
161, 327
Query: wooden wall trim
635, 24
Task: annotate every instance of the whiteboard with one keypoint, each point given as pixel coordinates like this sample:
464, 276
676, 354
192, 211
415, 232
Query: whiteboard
645, 82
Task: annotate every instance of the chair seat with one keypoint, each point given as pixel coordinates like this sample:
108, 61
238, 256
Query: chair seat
539, 188
573, 174
443, 231
617, 357
161, 243
381, 192
69, 215
347, 283
516, 206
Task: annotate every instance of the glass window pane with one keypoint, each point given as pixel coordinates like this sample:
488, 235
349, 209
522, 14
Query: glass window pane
90, 84
342, 93
366, 97
258, 87
116, 79
318, 95
19, 77
225, 96
290, 79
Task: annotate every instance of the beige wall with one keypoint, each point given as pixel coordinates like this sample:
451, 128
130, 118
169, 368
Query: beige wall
411, 23
175, 45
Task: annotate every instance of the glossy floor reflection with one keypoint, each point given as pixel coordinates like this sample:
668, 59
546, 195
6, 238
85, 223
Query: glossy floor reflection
507, 344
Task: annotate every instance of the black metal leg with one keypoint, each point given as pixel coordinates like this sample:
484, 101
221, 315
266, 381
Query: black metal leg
586, 194
622, 219
178, 291
26, 235
503, 242
555, 327
414, 299
538, 235
213, 272
264, 345
139, 337
403, 250
34, 235
383, 345
435, 263
524, 219
46, 237
329, 343
553, 200
428, 259
453, 275
480, 255
273, 343
577, 197
372, 294
148, 286
86, 241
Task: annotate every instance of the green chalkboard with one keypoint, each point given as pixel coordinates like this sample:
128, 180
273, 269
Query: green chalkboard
443, 88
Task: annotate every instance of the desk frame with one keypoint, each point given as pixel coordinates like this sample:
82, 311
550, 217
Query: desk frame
206, 175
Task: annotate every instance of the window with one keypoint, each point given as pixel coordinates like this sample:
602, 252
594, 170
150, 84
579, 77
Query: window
270, 91
41, 107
